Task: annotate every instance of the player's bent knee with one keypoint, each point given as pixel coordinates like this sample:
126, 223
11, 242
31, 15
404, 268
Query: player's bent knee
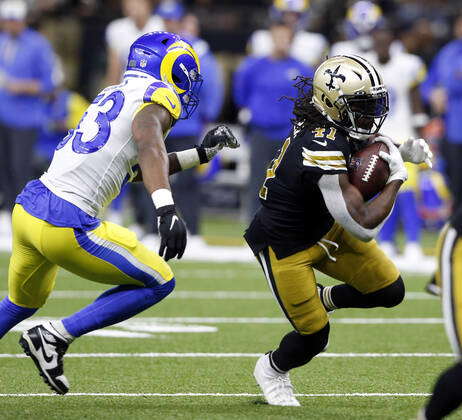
160, 292
390, 296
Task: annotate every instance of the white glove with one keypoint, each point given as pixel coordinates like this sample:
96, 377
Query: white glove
393, 158
416, 151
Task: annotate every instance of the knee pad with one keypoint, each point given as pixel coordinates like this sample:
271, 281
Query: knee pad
389, 296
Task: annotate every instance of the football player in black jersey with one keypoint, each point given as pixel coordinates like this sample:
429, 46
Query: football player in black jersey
447, 393
313, 218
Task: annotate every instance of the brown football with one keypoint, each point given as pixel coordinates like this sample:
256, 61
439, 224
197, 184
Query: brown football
367, 171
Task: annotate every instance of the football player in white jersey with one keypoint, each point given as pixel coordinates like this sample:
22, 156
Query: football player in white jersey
361, 19
402, 73
307, 47
56, 221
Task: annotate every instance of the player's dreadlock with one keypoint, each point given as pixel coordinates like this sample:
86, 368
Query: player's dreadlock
306, 116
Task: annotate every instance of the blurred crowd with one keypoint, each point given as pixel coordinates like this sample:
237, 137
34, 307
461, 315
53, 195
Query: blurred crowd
55, 55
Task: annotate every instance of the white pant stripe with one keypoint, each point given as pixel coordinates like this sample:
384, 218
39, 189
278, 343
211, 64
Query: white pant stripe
446, 276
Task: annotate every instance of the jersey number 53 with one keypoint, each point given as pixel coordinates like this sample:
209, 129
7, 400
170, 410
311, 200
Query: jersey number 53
103, 121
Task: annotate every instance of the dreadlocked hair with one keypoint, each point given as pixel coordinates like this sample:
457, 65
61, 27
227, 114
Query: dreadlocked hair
306, 116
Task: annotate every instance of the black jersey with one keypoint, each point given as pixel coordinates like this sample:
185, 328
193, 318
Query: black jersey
456, 220
294, 215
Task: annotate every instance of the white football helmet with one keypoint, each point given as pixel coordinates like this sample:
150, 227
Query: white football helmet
350, 93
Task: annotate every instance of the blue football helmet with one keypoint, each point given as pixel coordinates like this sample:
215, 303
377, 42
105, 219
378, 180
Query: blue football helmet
168, 57
362, 18
299, 7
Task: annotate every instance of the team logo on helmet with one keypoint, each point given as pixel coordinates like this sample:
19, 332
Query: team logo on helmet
334, 75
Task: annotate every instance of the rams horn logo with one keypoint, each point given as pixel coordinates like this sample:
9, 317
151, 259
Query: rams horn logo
334, 75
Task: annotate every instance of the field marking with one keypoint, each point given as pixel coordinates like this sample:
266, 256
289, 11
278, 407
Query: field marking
190, 394
206, 294
268, 320
225, 355
175, 324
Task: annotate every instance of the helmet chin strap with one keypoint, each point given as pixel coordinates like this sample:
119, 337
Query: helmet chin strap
359, 136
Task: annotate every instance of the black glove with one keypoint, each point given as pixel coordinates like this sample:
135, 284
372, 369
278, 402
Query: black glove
217, 138
172, 232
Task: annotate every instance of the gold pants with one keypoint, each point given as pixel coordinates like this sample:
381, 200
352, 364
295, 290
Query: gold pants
362, 265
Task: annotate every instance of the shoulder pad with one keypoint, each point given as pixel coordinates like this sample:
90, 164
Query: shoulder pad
162, 94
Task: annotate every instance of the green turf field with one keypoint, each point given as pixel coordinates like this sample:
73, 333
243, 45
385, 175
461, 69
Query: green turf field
143, 357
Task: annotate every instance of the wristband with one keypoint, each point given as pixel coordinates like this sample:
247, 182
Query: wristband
162, 197
201, 151
188, 158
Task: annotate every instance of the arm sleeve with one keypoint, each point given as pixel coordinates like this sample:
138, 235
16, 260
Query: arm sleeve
212, 89
335, 203
161, 94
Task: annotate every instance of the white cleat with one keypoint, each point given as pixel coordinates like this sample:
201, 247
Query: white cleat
421, 414
276, 386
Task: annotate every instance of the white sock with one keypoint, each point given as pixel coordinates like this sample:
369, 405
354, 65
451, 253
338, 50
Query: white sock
327, 298
59, 329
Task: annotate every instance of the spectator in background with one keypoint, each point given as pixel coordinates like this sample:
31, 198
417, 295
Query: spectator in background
362, 18
63, 111
307, 47
402, 74
26, 65
258, 87
121, 33
185, 133
443, 89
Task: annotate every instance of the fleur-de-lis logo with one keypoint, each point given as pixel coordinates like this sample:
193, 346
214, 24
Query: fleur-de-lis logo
334, 75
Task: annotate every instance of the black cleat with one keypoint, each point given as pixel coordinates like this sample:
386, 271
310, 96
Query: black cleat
47, 351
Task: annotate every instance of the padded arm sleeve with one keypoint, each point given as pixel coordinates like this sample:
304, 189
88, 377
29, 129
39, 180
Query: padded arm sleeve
335, 203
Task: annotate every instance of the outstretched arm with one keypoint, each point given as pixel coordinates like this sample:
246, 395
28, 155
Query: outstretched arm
148, 129
215, 140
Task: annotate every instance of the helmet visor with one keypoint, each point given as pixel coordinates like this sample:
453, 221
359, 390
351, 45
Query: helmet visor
365, 114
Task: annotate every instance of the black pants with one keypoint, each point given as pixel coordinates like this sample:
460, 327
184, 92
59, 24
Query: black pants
16, 161
262, 152
452, 154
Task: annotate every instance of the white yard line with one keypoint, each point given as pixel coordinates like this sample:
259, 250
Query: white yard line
144, 324
193, 294
228, 355
187, 394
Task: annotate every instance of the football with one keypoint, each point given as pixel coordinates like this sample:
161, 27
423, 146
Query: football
367, 171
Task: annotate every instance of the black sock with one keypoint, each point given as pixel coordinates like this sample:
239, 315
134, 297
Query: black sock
296, 349
447, 394
345, 296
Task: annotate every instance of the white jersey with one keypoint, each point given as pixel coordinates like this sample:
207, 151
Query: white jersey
92, 163
307, 47
360, 46
122, 33
400, 74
